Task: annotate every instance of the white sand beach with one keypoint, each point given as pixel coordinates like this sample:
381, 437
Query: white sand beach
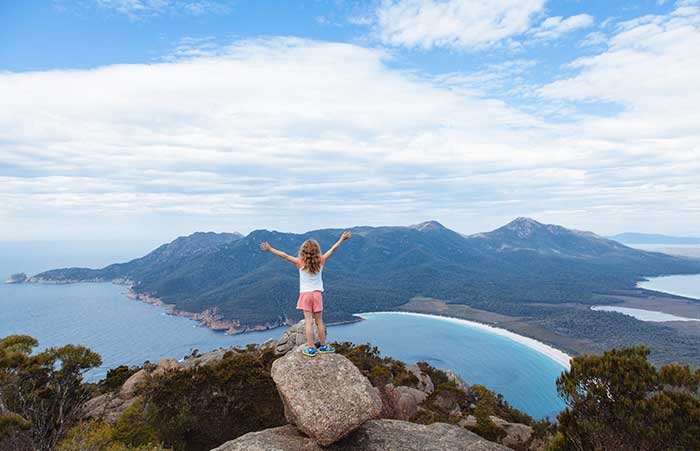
557, 355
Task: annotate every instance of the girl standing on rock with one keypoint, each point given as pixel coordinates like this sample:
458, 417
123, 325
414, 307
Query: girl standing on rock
310, 264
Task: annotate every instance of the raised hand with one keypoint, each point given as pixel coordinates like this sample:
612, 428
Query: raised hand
346, 236
265, 246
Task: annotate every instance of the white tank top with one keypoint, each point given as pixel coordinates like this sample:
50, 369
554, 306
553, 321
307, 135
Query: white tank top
308, 281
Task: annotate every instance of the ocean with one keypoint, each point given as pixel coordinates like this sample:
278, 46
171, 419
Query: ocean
126, 331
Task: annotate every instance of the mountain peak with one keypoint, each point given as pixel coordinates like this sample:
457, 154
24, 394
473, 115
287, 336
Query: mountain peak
428, 226
523, 227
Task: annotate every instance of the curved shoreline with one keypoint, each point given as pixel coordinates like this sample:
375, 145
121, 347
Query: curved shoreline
555, 354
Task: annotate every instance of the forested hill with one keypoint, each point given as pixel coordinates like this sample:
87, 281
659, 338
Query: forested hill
502, 271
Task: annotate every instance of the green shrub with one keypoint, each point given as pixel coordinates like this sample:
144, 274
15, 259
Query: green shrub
96, 435
201, 407
45, 389
115, 378
87, 436
11, 423
488, 430
132, 427
380, 375
437, 376
556, 442
620, 401
369, 361
404, 377
486, 405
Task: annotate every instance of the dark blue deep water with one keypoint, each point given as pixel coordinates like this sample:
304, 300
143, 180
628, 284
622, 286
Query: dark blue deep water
126, 331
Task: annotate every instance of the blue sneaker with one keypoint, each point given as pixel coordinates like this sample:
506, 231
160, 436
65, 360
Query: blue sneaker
326, 349
309, 352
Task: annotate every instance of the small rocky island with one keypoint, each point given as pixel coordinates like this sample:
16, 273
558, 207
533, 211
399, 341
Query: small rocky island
19, 277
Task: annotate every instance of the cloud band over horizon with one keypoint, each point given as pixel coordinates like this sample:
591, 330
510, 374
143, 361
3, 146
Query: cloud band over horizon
296, 134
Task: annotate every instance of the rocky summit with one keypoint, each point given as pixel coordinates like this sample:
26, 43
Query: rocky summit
374, 435
294, 336
326, 397
331, 405
335, 403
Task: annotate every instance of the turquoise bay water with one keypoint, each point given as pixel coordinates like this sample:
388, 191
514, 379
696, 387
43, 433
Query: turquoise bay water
525, 377
682, 285
125, 331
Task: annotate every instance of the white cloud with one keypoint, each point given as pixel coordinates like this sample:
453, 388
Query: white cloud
361, 20
462, 24
649, 68
504, 79
594, 39
557, 26
293, 134
136, 9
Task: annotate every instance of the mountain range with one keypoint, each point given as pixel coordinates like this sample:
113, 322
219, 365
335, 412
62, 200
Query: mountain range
523, 271
654, 238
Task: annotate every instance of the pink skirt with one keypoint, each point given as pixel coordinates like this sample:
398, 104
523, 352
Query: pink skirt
310, 301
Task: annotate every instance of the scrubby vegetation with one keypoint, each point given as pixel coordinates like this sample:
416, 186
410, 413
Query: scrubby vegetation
446, 398
379, 370
95, 435
115, 378
620, 401
203, 406
616, 401
41, 394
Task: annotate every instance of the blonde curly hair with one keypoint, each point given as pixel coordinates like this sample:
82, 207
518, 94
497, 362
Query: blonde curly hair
310, 255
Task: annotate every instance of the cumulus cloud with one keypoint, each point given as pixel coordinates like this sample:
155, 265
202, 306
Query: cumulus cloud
557, 26
295, 134
463, 24
649, 68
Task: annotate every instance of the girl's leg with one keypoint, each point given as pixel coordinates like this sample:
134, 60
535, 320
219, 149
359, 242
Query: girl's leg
318, 316
308, 320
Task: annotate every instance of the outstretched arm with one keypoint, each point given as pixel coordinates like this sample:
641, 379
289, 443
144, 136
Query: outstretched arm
329, 252
266, 247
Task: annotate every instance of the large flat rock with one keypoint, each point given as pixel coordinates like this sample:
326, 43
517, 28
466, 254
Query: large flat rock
374, 435
325, 397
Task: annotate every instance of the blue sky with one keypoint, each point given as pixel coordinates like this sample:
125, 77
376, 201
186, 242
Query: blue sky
148, 119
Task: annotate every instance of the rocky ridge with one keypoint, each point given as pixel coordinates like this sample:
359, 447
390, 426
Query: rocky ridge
330, 403
374, 435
